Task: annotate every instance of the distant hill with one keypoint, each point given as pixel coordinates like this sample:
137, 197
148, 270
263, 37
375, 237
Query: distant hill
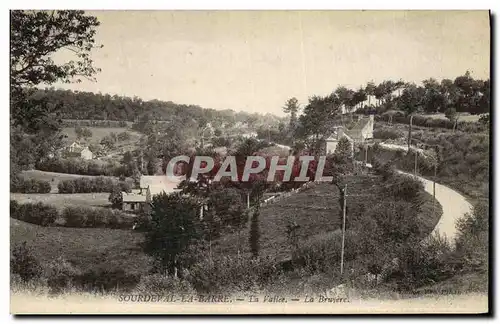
91, 106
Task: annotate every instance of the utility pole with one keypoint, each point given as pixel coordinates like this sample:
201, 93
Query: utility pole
416, 159
409, 133
366, 154
343, 230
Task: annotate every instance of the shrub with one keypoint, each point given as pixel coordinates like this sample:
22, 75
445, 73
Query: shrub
96, 218
405, 187
322, 252
230, 274
21, 185
106, 280
386, 134
87, 185
159, 284
83, 167
60, 275
421, 264
23, 263
35, 213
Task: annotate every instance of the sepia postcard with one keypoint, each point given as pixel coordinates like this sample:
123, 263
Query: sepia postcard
249, 162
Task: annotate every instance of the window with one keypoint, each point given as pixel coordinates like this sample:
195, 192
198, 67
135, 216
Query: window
132, 206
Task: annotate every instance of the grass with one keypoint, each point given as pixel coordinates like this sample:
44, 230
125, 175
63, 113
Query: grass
463, 117
98, 133
85, 249
64, 200
316, 211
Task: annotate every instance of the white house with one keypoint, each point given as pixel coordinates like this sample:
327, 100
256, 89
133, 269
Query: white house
362, 131
86, 154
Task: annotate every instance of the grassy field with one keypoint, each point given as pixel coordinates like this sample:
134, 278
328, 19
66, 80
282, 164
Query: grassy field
98, 133
463, 117
64, 200
85, 249
316, 211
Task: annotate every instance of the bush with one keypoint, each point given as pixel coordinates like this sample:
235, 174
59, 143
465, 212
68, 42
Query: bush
162, 285
21, 185
106, 280
322, 252
87, 185
35, 213
60, 275
96, 218
83, 167
422, 264
405, 187
386, 134
23, 263
229, 274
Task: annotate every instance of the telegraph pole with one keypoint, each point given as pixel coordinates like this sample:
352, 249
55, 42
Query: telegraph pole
409, 133
416, 159
343, 230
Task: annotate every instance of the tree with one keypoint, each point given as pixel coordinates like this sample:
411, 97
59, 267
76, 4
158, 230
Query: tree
292, 107
255, 233
78, 132
86, 133
34, 37
411, 99
116, 198
174, 226
434, 99
24, 263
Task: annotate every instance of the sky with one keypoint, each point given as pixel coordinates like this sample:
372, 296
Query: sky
255, 60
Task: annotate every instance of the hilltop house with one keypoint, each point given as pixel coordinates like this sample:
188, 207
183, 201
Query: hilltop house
359, 133
149, 186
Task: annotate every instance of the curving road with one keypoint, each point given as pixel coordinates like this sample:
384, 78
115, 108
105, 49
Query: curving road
454, 207
454, 204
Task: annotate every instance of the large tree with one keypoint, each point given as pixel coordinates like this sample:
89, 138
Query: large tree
292, 107
34, 37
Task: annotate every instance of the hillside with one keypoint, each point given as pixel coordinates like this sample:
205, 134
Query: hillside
91, 106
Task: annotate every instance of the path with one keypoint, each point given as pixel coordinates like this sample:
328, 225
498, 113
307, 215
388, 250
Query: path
454, 204
454, 207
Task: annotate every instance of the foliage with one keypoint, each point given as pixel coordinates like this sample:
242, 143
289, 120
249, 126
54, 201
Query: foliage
163, 285
19, 184
174, 226
35, 213
87, 185
116, 198
83, 167
228, 274
96, 218
24, 263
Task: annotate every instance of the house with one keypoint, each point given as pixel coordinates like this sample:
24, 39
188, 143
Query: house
149, 187
78, 150
74, 147
86, 154
362, 130
359, 133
